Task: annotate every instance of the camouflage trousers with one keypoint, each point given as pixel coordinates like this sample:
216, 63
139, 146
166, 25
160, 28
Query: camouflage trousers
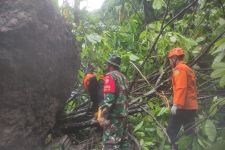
115, 135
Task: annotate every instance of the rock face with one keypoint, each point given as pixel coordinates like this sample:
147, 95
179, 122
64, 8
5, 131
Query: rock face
38, 65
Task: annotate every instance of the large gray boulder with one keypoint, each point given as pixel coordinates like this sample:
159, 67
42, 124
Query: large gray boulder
38, 65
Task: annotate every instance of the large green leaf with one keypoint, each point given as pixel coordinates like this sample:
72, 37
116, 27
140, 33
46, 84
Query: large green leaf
219, 42
202, 3
219, 57
188, 43
138, 126
217, 73
221, 48
218, 65
94, 38
133, 57
216, 102
157, 4
210, 130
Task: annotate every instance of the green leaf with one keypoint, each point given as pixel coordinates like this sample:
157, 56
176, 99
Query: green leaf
157, 4
163, 111
138, 126
184, 142
222, 81
133, 57
219, 42
220, 48
148, 143
162, 144
81, 73
221, 21
149, 129
161, 70
160, 132
210, 130
218, 73
140, 62
143, 35
202, 3
218, 65
145, 148
213, 111
218, 145
94, 38
200, 39
141, 142
173, 39
140, 134
219, 58
222, 101
195, 145
202, 142
187, 42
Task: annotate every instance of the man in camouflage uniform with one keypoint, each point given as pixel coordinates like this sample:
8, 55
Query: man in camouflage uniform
114, 107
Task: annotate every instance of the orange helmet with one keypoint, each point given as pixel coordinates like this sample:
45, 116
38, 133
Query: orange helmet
87, 79
176, 52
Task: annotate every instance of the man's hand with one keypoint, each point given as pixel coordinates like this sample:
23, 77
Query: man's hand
101, 119
103, 122
174, 109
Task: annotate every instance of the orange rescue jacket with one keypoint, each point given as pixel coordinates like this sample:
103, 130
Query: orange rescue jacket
184, 87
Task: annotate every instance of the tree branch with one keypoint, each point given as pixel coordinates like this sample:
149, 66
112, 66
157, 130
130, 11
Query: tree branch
135, 140
160, 33
206, 50
160, 126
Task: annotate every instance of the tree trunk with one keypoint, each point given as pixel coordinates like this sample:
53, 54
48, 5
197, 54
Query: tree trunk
149, 14
77, 12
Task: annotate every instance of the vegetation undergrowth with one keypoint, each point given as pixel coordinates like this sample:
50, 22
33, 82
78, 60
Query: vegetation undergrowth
130, 28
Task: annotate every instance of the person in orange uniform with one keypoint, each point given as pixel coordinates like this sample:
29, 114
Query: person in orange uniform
94, 86
185, 104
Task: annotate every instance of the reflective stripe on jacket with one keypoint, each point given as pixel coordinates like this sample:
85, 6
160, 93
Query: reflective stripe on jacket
184, 87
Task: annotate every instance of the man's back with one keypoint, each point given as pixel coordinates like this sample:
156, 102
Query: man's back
120, 106
190, 81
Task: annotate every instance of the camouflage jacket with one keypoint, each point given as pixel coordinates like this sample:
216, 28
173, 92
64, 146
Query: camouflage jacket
115, 98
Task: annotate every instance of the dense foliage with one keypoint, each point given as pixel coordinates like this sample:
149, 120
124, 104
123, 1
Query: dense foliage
124, 28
